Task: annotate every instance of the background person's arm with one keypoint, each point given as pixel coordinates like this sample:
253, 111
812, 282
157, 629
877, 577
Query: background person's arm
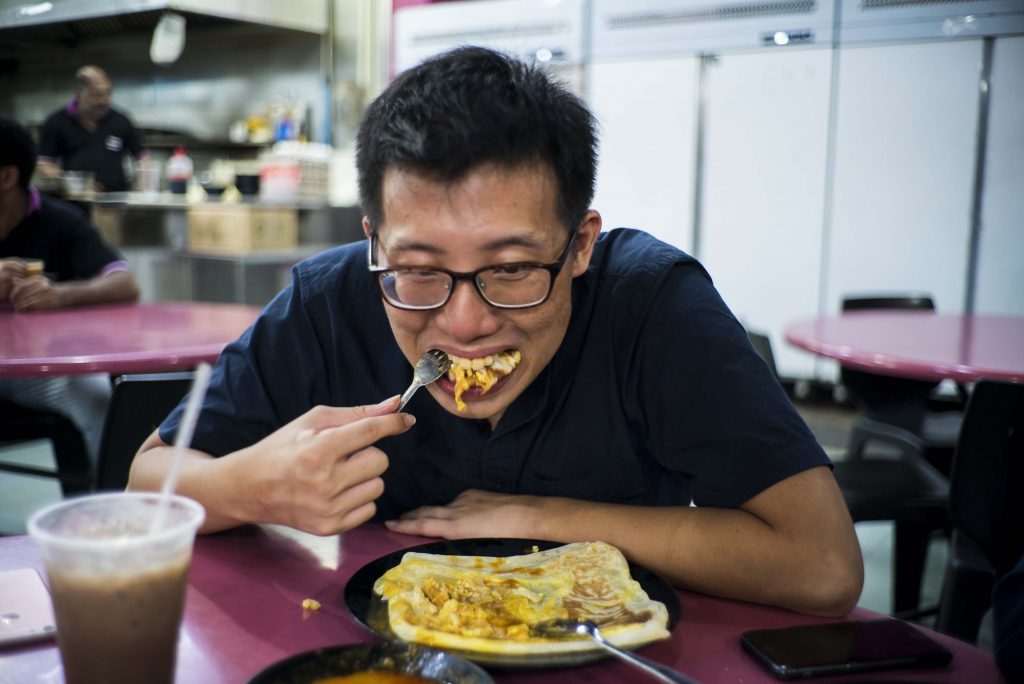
792, 545
11, 269
39, 293
320, 473
48, 168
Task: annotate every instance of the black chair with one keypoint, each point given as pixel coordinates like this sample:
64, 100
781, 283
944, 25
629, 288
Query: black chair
986, 506
138, 404
907, 490
896, 411
762, 344
21, 424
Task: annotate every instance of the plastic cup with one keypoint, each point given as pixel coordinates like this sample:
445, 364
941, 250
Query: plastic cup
118, 589
149, 177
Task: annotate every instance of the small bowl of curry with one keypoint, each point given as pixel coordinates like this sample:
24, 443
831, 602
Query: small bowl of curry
384, 663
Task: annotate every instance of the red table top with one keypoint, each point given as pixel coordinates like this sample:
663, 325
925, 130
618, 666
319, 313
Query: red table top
130, 338
918, 344
243, 612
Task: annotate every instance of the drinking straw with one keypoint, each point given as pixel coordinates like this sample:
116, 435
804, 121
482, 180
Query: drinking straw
182, 441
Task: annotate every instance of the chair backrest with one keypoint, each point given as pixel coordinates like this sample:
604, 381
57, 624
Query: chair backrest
875, 394
910, 301
138, 404
986, 501
762, 344
19, 423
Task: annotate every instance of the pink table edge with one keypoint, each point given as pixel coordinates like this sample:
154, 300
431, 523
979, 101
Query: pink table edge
181, 357
243, 613
806, 334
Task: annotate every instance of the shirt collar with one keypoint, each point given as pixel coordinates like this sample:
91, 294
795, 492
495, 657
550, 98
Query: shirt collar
34, 202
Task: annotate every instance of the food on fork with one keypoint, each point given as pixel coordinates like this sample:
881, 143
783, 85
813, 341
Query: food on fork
481, 372
490, 605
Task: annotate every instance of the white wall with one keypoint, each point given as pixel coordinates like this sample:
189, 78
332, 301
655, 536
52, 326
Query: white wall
648, 145
904, 171
1000, 282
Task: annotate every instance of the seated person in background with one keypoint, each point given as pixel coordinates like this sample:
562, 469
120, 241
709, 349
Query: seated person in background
78, 268
601, 384
87, 134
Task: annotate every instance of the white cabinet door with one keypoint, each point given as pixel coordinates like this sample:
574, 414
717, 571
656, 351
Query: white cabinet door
1000, 282
647, 114
765, 155
904, 167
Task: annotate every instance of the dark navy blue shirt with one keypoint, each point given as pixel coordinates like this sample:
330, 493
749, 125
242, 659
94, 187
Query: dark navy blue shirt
655, 396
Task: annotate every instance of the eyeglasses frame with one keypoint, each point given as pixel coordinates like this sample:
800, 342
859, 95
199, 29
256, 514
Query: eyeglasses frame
554, 268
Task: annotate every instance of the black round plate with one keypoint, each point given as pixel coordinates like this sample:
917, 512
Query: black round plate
411, 659
371, 610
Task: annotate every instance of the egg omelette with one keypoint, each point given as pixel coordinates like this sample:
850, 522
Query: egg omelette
481, 372
488, 604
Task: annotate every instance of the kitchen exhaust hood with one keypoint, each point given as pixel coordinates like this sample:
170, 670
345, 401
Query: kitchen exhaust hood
96, 17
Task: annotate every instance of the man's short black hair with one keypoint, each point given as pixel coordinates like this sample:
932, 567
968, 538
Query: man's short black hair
17, 149
471, 106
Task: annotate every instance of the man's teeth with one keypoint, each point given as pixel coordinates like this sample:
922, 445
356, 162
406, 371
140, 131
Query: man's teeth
504, 361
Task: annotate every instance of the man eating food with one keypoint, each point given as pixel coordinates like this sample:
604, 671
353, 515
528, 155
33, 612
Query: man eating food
599, 386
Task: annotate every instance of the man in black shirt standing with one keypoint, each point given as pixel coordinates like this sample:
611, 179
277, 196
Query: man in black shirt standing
87, 134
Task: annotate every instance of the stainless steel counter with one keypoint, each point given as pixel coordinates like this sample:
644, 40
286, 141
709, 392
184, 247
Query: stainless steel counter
152, 233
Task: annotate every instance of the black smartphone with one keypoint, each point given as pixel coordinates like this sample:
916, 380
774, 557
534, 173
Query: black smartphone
843, 647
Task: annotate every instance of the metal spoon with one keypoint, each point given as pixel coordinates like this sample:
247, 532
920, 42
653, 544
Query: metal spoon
432, 365
561, 628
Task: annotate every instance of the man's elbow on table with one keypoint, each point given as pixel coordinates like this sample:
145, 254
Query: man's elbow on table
118, 287
834, 586
820, 569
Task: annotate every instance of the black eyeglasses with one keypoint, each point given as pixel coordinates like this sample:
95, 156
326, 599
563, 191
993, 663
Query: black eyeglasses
505, 286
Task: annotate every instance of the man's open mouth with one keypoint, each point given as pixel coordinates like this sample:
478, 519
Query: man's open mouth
482, 372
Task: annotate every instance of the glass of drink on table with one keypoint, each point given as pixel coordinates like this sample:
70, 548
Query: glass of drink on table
118, 582
33, 267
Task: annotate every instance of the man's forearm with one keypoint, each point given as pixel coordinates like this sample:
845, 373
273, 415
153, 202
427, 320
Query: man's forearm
201, 477
113, 288
724, 552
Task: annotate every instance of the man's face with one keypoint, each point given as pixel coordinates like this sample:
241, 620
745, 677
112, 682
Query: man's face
492, 216
94, 99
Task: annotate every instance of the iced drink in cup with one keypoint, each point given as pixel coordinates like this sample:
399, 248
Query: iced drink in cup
118, 587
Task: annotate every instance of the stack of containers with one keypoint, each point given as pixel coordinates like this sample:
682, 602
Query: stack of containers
292, 171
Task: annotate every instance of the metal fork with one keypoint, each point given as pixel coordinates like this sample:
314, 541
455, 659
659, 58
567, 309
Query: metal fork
561, 628
432, 365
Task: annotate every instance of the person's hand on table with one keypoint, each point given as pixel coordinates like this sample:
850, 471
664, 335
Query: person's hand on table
474, 513
11, 269
37, 293
319, 474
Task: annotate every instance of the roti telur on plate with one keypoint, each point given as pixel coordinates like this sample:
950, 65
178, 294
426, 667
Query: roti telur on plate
488, 604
